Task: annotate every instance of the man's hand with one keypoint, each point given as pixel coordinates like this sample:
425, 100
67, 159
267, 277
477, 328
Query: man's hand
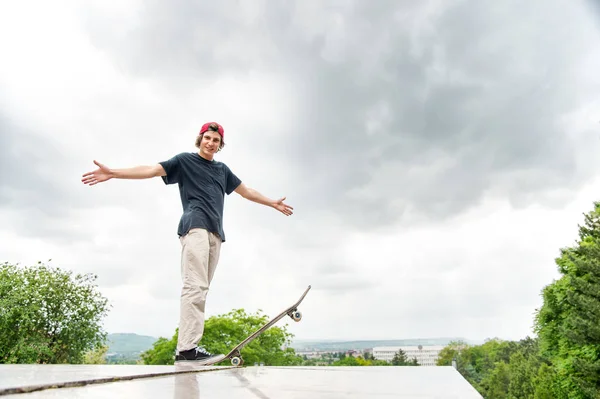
103, 173
283, 208
253, 195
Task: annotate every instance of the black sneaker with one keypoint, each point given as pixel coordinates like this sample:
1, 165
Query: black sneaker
197, 354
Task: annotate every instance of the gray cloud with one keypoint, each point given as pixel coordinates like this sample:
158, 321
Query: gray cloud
478, 103
22, 165
33, 184
40, 187
336, 278
408, 112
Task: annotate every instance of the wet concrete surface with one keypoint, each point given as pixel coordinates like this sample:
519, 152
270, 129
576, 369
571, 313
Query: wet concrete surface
187, 381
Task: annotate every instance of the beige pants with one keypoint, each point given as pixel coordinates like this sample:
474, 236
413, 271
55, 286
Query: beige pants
199, 257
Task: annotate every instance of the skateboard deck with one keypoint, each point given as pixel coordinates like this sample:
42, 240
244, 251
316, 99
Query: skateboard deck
235, 356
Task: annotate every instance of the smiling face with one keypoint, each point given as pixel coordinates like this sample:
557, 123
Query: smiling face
209, 143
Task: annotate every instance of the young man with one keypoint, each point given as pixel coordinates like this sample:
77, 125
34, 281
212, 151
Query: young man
203, 183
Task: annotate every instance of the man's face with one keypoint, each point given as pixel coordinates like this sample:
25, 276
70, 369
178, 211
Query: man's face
210, 142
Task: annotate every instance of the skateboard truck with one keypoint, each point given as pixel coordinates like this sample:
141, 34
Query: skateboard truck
295, 315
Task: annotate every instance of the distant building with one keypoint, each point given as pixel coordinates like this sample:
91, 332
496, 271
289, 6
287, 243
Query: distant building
425, 355
311, 354
351, 353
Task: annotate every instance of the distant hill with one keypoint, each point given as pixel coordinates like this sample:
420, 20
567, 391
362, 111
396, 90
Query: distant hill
316, 345
128, 343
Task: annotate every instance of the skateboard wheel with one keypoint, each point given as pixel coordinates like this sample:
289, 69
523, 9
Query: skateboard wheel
297, 316
236, 361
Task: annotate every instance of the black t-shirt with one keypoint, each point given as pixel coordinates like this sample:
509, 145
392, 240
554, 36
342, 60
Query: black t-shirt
202, 188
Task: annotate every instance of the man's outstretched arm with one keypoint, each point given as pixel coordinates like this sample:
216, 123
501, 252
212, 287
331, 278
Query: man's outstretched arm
254, 196
104, 173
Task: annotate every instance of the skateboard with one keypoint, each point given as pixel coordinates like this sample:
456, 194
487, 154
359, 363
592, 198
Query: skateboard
235, 356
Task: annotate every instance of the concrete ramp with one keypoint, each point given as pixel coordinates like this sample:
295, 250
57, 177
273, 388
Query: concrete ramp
189, 381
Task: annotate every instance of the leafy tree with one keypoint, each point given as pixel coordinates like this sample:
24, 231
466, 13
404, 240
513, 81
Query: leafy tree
162, 351
522, 371
310, 362
497, 368
563, 361
495, 384
96, 356
350, 361
568, 321
547, 385
400, 359
223, 332
476, 363
48, 315
359, 361
450, 352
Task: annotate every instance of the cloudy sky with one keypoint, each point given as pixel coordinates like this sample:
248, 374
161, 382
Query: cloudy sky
437, 155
